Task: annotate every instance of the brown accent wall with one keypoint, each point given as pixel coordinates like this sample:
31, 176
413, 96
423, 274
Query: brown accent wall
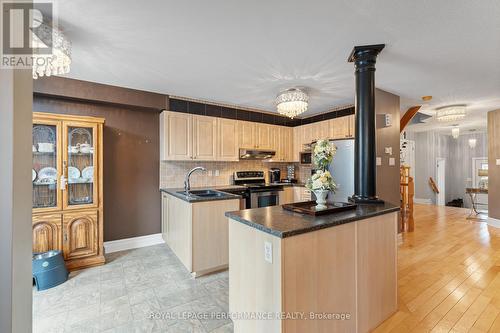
493, 169
387, 176
131, 157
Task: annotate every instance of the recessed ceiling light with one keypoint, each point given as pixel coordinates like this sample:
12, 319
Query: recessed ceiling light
426, 98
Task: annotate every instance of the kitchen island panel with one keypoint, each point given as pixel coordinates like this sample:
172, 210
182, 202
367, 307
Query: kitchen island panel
254, 284
377, 270
319, 276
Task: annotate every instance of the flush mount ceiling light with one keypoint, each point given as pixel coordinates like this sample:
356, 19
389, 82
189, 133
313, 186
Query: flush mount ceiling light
450, 112
292, 102
56, 62
455, 132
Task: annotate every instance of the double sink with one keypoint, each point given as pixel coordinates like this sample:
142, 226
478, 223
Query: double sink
203, 194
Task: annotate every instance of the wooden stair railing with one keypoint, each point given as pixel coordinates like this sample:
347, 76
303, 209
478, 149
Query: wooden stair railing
433, 185
407, 117
407, 193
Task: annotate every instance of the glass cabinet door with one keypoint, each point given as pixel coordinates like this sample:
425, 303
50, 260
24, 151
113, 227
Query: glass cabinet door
80, 164
46, 163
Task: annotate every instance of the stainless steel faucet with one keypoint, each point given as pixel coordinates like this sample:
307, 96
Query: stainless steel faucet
187, 185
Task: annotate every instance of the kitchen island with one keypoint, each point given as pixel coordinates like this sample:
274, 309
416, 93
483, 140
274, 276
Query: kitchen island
298, 273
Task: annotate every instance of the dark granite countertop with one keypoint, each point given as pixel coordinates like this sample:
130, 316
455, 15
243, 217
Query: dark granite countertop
194, 199
283, 223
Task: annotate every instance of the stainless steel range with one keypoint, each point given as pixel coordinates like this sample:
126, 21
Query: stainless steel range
260, 193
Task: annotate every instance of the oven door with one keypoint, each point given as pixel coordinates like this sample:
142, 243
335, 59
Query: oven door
264, 199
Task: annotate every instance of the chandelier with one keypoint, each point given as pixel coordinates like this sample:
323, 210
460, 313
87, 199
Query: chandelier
292, 102
450, 113
56, 62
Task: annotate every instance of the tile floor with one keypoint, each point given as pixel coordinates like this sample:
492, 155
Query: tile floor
123, 295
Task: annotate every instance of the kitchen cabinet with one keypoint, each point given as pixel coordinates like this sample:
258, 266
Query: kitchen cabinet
301, 193
176, 136
297, 144
263, 138
342, 127
282, 143
227, 140
204, 138
287, 195
197, 232
320, 130
67, 187
246, 133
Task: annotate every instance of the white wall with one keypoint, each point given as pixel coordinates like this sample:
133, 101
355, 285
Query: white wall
16, 93
431, 145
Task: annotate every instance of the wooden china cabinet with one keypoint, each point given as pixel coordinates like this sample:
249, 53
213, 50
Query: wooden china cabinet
67, 180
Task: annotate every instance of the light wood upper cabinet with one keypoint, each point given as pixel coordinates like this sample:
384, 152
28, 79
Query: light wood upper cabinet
320, 130
227, 140
80, 235
246, 133
352, 123
286, 143
263, 137
204, 138
46, 233
339, 128
297, 145
176, 136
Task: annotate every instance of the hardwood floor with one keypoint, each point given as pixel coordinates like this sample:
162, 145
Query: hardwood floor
448, 274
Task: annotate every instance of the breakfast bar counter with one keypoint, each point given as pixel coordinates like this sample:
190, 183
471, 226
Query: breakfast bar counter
290, 272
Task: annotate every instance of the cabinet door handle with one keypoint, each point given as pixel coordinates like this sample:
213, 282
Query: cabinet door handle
65, 237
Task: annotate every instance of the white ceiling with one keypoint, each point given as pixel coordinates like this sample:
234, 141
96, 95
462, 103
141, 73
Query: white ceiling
245, 52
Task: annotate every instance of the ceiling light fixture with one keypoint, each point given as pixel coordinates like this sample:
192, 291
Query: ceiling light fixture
56, 62
292, 102
472, 143
455, 132
450, 112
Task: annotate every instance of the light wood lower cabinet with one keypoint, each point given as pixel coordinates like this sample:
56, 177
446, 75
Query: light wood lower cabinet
197, 232
300, 193
287, 195
47, 233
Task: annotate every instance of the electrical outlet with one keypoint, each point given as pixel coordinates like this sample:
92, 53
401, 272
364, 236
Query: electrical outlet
392, 161
268, 252
379, 160
498, 161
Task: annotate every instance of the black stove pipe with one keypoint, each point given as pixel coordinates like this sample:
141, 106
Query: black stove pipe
365, 168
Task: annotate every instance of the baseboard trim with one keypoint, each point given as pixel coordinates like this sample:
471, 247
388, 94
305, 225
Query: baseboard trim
422, 201
132, 243
493, 222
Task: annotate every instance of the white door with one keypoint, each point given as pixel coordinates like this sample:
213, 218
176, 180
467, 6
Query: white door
479, 164
440, 181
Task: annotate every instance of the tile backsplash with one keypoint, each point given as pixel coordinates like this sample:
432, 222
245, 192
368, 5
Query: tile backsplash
172, 172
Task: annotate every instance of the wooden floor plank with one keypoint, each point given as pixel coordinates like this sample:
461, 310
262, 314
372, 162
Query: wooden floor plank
448, 274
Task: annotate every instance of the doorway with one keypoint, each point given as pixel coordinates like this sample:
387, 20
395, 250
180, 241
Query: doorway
480, 178
441, 181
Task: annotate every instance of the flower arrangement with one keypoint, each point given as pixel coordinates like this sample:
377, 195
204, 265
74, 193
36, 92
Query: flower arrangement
321, 181
323, 154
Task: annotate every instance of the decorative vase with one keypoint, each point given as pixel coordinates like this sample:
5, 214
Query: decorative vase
320, 198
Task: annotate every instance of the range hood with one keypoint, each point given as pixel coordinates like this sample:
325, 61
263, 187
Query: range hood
256, 154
